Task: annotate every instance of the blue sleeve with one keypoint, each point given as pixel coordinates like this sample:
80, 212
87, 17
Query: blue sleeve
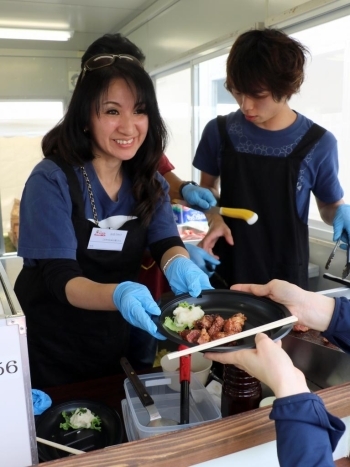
338, 332
306, 433
327, 186
46, 228
207, 157
163, 223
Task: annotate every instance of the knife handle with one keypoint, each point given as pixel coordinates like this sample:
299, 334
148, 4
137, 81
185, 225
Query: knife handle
249, 216
136, 383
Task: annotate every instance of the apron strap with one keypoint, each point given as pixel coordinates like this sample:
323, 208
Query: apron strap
225, 140
308, 141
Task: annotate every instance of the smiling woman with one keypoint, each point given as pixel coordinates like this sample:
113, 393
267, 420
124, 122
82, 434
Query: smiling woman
88, 211
120, 128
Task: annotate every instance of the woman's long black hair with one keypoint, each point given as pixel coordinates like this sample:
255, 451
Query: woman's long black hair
69, 140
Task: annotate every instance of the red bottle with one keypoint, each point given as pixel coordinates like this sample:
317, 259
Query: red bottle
240, 391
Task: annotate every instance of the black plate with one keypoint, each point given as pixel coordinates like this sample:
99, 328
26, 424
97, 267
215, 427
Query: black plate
48, 427
258, 310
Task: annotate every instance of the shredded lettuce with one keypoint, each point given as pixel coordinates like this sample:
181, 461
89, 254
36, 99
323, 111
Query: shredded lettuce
95, 421
169, 323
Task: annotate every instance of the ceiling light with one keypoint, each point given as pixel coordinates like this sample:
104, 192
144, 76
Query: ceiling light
35, 34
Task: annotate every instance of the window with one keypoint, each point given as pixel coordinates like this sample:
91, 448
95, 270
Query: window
213, 98
174, 98
22, 126
325, 94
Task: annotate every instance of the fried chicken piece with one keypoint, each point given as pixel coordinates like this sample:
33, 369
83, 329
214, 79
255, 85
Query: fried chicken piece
218, 335
217, 325
205, 322
204, 337
221, 334
234, 324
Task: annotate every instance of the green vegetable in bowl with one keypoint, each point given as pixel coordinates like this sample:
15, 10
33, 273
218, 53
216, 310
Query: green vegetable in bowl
81, 418
184, 317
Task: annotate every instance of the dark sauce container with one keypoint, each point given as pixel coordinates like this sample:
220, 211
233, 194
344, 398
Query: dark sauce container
240, 391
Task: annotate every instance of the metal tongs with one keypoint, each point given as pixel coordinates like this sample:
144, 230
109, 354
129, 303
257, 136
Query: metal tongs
331, 256
346, 270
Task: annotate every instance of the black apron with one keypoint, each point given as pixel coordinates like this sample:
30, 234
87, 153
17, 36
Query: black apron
68, 344
277, 245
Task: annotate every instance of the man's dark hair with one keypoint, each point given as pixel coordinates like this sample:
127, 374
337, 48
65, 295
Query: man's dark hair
112, 44
266, 60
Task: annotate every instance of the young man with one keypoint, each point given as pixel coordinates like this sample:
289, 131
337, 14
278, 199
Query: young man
268, 158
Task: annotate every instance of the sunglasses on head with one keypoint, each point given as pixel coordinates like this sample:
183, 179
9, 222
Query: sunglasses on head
102, 60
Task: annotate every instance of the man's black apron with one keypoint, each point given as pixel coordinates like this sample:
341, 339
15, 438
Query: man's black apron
65, 343
277, 245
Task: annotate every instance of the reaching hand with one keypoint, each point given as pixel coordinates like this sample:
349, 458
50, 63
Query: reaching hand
206, 262
341, 225
269, 363
197, 196
136, 304
217, 229
185, 277
311, 309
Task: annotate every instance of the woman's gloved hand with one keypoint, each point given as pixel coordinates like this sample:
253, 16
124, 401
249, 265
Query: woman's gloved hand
41, 401
136, 304
197, 196
185, 277
341, 225
205, 261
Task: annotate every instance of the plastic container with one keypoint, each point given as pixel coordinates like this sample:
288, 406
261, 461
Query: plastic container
199, 365
183, 214
167, 401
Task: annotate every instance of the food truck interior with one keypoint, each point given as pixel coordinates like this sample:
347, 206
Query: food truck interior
186, 44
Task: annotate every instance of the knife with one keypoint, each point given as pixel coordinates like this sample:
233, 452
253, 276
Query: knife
245, 214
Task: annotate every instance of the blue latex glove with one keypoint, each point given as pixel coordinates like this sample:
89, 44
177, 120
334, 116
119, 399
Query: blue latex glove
198, 196
341, 225
205, 261
185, 277
41, 401
136, 304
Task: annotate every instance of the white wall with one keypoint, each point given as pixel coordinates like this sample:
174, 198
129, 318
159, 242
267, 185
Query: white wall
191, 24
188, 25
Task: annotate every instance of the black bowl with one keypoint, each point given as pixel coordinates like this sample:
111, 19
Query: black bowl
48, 427
258, 310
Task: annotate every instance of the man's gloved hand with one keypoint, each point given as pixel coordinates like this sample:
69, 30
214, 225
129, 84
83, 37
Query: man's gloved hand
205, 261
197, 196
136, 304
341, 225
185, 277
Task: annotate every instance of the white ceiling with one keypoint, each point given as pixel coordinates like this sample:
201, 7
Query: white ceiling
88, 18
